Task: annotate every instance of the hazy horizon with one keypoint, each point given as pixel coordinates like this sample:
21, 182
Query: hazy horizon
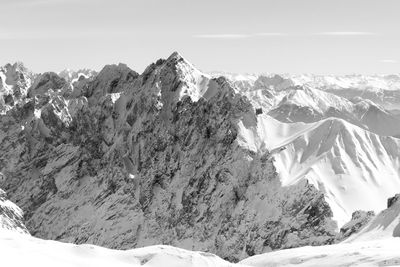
310, 36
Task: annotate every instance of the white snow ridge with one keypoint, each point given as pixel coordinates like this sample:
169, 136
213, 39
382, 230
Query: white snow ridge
176, 167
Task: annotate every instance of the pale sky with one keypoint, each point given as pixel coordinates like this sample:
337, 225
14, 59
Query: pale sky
253, 36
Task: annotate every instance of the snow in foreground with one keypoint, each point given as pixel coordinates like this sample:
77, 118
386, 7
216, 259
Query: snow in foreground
369, 253
377, 244
22, 250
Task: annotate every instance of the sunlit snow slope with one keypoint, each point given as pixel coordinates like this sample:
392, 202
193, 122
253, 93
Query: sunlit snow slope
370, 253
23, 250
347, 163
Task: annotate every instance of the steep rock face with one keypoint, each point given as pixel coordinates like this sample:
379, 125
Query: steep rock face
11, 216
154, 160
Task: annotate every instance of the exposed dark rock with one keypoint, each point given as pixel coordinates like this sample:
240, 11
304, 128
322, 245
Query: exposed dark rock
358, 220
391, 201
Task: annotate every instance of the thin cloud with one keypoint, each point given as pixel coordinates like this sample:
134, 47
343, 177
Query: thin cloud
237, 36
388, 61
270, 34
221, 36
346, 33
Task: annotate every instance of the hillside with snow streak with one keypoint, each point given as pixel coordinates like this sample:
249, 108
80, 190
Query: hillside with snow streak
348, 164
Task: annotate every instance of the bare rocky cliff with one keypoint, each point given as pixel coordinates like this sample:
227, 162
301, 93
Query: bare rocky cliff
132, 160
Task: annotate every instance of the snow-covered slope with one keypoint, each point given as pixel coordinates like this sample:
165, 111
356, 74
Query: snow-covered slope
344, 161
377, 244
371, 253
23, 250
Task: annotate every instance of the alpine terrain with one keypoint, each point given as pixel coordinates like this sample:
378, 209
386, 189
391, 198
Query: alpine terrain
177, 167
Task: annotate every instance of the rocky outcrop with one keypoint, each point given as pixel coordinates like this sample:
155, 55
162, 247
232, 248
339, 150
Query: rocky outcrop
154, 159
391, 201
359, 219
14, 83
11, 216
45, 82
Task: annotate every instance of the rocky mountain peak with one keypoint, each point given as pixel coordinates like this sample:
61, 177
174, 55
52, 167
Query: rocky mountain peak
111, 79
161, 151
15, 79
45, 82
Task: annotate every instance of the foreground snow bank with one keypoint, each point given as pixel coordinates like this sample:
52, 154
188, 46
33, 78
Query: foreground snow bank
370, 253
23, 250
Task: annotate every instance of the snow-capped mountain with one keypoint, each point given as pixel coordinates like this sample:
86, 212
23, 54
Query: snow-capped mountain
345, 162
356, 81
72, 76
178, 157
383, 90
159, 150
303, 104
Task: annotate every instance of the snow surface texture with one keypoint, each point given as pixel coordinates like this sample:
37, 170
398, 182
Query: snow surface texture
23, 250
369, 253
